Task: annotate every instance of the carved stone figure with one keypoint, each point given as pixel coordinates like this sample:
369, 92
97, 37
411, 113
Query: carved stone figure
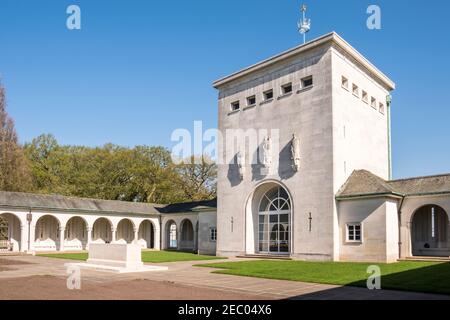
240, 164
295, 152
267, 152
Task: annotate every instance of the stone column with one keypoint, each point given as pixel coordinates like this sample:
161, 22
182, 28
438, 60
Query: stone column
23, 238
136, 235
62, 231
89, 237
113, 232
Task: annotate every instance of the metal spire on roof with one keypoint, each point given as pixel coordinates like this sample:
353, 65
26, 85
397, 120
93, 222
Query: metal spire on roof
304, 25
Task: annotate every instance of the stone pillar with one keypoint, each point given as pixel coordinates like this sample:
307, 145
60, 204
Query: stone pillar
23, 238
62, 231
136, 235
113, 232
32, 236
157, 238
89, 237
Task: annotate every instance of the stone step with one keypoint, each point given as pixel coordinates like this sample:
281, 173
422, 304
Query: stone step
423, 258
264, 256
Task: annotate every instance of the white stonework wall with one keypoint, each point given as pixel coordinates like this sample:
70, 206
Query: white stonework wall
28, 231
409, 207
207, 220
360, 132
308, 115
379, 221
178, 218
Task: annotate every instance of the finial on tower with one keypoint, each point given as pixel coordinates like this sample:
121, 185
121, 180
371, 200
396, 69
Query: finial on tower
305, 24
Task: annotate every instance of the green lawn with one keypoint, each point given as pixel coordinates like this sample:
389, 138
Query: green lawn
429, 277
147, 256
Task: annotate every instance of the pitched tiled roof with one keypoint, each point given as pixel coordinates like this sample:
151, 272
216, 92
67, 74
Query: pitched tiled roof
57, 202
186, 207
364, 183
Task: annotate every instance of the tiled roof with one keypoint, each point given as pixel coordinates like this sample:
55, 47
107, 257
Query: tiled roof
57, 202
364, 183
190, 206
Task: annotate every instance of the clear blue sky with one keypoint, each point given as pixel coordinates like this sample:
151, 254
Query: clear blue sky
139, 69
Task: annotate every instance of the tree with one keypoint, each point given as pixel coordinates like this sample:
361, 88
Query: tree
14, 171
198, 178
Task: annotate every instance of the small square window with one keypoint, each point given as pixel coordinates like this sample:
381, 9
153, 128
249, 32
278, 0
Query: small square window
373, 103
307, 82
381, 108
213, 234
355, 90
365, 97
354, 231
251, 101
286, 89
345, 83
268, 95
235, 106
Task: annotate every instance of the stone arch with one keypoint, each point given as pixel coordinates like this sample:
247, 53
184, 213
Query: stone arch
125, 231
187, 235
146, 234
10, 232
429, 231
47, 233
171, 234
76, 233
269, 219
102, 230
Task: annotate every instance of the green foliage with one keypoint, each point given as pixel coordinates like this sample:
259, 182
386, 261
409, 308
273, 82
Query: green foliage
14, 171
142, 173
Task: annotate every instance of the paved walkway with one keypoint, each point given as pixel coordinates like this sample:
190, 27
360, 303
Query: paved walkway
185, 274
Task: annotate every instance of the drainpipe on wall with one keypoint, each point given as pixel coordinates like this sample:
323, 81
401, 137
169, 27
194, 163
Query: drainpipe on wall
400, 227
388, 105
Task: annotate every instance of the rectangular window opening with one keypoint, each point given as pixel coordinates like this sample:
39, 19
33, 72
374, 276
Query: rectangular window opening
268, 95
354, 232
251, 101
235, 106
344, 83
355, 90
286, 89
307, 82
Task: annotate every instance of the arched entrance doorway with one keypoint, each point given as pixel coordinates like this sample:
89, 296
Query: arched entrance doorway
274, 221
125, 231
75, 237
171, 235
187, 235
146, 235
430, 232
268, 219
10, 232
47, 234
101, 231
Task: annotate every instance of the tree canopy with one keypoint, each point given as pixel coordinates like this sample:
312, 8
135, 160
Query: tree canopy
14, 173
